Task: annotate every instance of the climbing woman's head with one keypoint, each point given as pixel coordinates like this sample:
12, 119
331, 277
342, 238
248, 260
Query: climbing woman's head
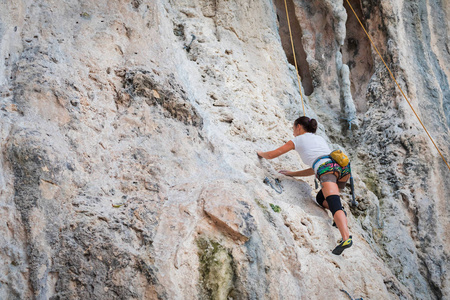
307, 124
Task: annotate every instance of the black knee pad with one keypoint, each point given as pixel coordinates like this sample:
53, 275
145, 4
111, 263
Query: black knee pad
334, 203
320, 198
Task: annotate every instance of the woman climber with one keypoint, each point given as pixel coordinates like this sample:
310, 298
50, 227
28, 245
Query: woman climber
314, 151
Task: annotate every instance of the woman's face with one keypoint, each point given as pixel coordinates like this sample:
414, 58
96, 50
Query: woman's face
298, 130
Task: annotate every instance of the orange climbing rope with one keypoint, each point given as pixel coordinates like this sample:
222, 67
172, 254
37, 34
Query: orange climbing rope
398, 85
295, 60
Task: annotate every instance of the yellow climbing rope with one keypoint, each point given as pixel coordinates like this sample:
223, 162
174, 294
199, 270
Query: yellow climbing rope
398, 85
295, 60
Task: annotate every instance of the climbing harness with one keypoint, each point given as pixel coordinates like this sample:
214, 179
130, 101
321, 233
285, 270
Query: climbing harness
398, 85
351, 298
295, 60
277, 183
354, 203
319, 158
336, 156
188, 47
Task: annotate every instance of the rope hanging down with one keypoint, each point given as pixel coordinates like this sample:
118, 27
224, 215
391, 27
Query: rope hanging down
295, 60
398, 85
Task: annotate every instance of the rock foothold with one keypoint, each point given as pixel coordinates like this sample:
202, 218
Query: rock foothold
227, 206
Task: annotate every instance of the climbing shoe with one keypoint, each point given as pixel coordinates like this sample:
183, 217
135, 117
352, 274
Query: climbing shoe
343, 245
334, 223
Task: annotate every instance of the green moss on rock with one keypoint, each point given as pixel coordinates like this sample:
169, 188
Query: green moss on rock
217, 274
372, 183
260, 204
275, 208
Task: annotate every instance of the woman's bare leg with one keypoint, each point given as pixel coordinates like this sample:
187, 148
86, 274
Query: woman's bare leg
328, 189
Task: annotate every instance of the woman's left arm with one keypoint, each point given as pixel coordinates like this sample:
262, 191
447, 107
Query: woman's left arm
277, 152
302, 173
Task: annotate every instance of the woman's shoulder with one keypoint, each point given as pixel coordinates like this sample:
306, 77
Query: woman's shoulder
314, 138
304, 138
307, 136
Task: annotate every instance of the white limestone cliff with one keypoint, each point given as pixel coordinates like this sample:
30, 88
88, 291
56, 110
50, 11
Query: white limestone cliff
128, 165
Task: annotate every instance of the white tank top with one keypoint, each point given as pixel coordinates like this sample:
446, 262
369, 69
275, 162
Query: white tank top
311, 146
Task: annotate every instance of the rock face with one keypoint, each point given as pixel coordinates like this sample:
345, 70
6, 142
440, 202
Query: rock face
129, 132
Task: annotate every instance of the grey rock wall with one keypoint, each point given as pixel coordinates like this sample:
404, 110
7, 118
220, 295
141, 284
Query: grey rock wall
128, 165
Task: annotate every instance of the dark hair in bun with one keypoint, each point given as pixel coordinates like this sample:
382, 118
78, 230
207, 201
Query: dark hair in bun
310, 125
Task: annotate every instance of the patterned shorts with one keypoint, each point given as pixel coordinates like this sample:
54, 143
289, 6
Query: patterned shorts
332, 166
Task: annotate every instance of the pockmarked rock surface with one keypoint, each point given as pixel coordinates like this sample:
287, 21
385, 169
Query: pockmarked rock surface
129, 132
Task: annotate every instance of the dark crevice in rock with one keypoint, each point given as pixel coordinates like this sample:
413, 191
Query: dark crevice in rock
91, 262
357, 54
136, 3
392, 287
30, 164
297, 34
169, 95
178, 30
421, 32
258, 271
